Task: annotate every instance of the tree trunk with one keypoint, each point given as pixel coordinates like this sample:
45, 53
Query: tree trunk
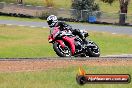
123, 11
122, 18
20, 1
49, 3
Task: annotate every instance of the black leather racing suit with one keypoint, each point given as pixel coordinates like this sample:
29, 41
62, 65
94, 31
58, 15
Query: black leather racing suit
64, 26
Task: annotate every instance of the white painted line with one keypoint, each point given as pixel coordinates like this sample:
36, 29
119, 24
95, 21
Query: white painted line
32, 26
9, 24
120, 55
114, 33
39, 6
2, 2
11, 3
19, 4
21, 25
44, 27
28, 5
61, 8
25, 26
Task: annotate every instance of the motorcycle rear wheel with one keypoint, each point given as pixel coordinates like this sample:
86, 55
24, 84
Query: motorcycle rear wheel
93, 49
60, 51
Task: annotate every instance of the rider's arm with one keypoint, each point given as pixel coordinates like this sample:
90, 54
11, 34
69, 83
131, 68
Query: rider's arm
64, 26
81, 33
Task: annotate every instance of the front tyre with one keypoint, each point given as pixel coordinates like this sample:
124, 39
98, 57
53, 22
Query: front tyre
60, 51
93, 49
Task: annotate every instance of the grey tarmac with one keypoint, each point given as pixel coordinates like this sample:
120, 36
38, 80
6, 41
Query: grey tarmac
89, 27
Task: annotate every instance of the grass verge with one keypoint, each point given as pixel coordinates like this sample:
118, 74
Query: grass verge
61, 78
27, 42
24, 42
112, 43
21, 19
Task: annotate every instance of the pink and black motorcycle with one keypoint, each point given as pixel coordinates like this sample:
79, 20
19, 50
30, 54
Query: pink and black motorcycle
65, 44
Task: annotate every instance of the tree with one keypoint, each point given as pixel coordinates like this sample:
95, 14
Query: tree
49, 3
123, 9
20, 1
84, 8
108, 1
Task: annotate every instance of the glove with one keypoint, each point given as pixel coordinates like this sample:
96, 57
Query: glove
86, 34
50, 38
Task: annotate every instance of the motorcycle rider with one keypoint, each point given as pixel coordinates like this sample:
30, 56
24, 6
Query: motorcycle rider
53, 22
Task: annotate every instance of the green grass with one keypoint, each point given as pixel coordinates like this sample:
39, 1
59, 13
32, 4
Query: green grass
112, 44
21, 19
26, 42
61, 78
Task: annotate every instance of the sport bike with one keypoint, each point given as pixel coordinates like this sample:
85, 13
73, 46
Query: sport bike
65, 44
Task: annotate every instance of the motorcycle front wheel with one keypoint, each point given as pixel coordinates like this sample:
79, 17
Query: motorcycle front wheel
60, 51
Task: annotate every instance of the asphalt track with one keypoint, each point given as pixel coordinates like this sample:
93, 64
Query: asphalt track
89, 27
119, 57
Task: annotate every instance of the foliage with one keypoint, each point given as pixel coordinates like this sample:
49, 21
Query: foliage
84, 8
122, 2
123, 9
108, 1
49, 3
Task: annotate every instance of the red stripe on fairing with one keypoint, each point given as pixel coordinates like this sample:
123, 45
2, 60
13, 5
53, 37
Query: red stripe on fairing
71, 42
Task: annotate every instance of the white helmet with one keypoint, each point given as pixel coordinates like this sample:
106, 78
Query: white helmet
52, 20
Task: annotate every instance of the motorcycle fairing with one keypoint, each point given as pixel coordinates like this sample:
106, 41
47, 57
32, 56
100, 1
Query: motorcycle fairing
71, 43
61, 43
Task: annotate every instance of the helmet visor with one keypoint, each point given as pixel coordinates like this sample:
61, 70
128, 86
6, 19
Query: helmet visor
49, 22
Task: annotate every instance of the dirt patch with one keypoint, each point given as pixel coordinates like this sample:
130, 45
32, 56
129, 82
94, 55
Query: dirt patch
42, 64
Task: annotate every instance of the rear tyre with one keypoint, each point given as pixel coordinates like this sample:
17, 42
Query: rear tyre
60, 51
93, 49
